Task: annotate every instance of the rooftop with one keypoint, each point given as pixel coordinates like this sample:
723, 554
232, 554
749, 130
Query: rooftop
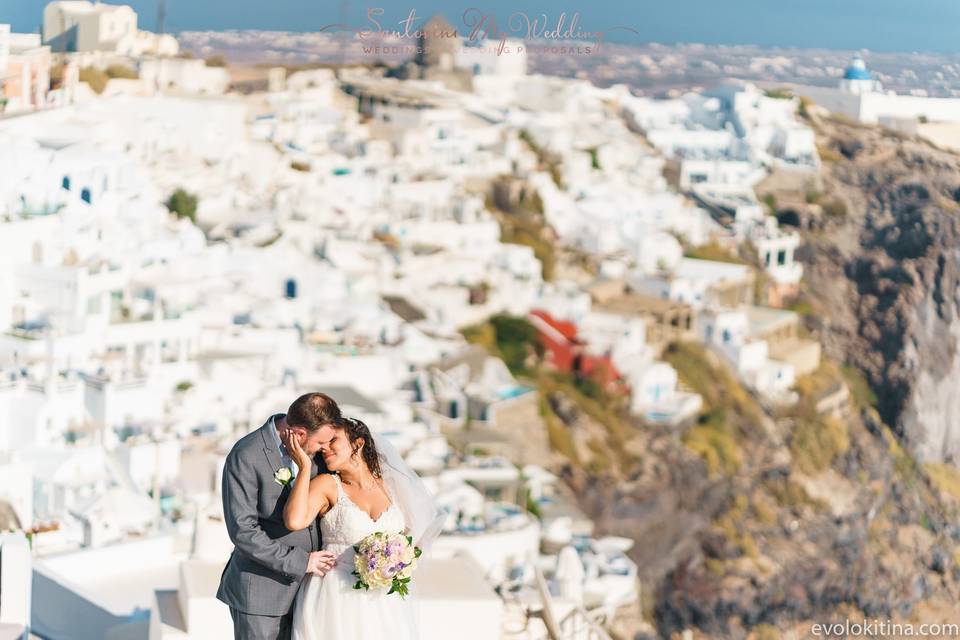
636, 304
82, 6
404, 308
349, 396
455, 578
857, 70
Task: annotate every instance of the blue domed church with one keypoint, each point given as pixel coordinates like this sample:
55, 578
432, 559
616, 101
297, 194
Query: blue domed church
858, 80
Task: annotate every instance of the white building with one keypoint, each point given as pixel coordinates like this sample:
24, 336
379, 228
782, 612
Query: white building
79, 26
486, 58
776, 250
24, 72
860, 97
729, 332
190, 75
697, 283
730, 123
4, 48
655, 397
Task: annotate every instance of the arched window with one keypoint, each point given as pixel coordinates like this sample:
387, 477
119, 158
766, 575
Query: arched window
66, 183
291, 288
85, 195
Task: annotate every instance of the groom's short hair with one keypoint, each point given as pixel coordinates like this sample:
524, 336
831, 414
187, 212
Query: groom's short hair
313, 410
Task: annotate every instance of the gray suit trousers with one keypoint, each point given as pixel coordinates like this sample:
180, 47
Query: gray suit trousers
252, 627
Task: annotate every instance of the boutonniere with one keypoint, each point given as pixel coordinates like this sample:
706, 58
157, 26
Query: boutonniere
283, 476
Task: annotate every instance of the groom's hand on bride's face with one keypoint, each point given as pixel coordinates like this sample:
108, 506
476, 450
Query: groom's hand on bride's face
320, 562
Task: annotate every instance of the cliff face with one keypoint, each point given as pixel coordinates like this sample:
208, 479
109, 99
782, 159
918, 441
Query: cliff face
755, 524
883, 277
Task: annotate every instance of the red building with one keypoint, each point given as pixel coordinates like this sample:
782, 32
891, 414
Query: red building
567, 353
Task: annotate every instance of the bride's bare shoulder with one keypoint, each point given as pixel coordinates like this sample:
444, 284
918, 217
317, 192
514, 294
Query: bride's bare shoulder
325, 483
324, 480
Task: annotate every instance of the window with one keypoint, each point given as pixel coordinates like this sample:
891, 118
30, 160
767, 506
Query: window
726, 335
782, 257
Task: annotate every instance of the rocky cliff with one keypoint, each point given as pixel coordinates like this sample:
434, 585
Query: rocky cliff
882, 260
753, 525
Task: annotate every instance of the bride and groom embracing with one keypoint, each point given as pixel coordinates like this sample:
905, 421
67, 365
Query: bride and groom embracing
299, 494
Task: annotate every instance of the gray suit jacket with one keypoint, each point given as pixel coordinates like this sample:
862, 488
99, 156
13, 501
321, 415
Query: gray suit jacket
269, 561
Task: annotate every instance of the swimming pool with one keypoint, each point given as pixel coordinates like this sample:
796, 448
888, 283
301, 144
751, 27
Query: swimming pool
513, 392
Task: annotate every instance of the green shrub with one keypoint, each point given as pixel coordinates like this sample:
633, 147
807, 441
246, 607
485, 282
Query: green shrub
122, 71
558, 433
815, 444
94, 77
516, 340
863, 395
712, 440
779, 94
183, 204
944, 477
594, 161
713, 251
771, 201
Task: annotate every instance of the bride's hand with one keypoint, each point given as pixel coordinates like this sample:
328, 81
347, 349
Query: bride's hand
292, 442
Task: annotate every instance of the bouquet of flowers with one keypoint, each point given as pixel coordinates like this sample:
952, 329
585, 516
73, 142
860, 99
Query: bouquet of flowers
385, 560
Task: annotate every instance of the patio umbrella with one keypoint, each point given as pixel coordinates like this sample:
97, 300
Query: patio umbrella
569, 574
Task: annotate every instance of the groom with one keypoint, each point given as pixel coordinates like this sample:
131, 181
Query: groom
269, 561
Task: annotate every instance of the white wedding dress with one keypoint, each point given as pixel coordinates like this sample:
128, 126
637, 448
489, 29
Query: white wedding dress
329, 608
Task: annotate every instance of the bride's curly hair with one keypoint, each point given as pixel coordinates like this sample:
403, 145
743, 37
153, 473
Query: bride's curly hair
355, 430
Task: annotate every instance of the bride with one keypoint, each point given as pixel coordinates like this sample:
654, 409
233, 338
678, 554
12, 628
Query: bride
370, 489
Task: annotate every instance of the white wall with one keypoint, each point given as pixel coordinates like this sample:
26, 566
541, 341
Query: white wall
876, 105
16, 487
833, 100
15, 579
4, 46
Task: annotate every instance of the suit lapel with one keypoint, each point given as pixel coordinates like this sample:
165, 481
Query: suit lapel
269, 446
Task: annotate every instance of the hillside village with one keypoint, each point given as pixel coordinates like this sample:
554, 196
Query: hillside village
523, 281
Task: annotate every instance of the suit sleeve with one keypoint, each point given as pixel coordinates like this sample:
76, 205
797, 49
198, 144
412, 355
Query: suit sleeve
243, 523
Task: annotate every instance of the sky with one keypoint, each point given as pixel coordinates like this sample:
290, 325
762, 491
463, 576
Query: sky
877, 25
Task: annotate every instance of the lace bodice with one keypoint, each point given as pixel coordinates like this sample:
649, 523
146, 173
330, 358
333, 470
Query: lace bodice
346, 524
